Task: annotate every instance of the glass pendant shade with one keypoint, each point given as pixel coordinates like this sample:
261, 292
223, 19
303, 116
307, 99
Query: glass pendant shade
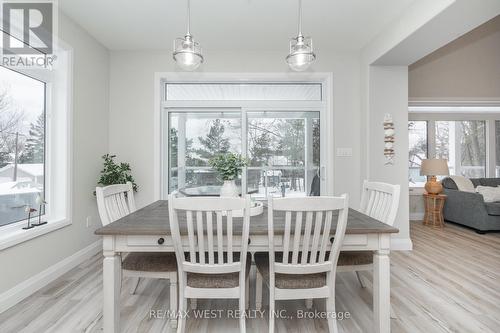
301, 54
187, 53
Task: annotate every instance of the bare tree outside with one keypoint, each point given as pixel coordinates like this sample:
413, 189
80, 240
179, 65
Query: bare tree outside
462, 143
417, 131
11, 122
22, 144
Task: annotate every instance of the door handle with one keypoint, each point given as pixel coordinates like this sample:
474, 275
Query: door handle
322, 173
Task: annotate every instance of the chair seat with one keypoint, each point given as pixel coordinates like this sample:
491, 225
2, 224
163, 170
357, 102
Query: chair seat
350, 258
231, 280
287, 281
150, 262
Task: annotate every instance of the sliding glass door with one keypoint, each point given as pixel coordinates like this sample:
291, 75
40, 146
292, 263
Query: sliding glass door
284, 153
282, 147
282, 125
194, 137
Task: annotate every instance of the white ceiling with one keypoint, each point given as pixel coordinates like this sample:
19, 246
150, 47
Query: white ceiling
259, 25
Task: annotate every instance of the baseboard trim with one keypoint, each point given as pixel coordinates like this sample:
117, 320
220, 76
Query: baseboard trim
417, 216
26, 288
401, 244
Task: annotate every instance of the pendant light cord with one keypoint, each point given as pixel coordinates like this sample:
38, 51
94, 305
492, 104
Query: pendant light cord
188, 17
300, 17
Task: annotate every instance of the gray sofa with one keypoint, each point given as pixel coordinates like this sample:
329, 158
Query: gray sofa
469, 209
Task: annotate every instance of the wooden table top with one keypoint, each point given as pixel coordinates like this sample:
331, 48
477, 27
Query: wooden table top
153, 220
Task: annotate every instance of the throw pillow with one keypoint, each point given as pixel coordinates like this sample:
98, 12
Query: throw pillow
463, 184
490, 194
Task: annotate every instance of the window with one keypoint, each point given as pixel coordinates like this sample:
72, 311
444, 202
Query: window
35, 146
22, 144
467, 136
463, 144
243, 92
417, 131
284, 153
278, 127
196, 137
283, 149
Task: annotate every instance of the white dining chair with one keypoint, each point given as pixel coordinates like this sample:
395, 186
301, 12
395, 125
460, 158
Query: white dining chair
117, 201
305, 269
215, 264
379, 201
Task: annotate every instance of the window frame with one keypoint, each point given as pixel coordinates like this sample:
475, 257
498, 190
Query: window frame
324, 107
46, 80
489, 114
426, 146
58, 152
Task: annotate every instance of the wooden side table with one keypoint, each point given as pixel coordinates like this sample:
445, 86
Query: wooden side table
434, 204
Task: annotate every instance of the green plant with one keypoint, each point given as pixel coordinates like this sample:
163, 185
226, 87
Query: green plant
114, 173
228, 165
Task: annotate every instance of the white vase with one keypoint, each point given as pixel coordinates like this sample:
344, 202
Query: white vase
229, 189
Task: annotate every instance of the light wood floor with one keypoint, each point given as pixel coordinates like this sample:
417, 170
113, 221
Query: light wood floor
450, 282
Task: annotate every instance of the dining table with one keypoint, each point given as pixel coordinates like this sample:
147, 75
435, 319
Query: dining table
148, 230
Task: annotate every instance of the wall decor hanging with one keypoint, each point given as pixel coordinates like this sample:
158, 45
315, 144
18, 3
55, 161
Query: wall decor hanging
389, 133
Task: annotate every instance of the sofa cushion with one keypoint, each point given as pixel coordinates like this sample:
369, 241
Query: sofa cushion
476, 181
489, 193
493, 182
449, 183
463, 183
493, 208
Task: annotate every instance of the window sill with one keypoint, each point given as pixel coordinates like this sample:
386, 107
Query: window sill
13, 235
416, 191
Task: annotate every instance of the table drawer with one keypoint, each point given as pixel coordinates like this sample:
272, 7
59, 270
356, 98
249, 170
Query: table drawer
263, 240
351, 239
149, 241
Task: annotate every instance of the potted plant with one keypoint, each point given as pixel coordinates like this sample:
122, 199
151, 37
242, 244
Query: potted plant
115, 173
229, 167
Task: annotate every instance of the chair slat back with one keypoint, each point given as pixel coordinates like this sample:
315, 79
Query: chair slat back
115, 202
210, 246
308, 224
380, 201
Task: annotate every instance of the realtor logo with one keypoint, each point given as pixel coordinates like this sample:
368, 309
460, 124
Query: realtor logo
28, 28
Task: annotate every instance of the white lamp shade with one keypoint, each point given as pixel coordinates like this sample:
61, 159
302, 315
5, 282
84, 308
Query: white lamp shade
434, 167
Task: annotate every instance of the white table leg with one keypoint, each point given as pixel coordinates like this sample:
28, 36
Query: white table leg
382, 286
112, 272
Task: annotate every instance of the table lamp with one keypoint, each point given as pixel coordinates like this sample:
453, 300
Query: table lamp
432, 168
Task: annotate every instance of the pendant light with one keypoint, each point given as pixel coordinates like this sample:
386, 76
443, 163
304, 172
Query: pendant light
301, 54
187, 52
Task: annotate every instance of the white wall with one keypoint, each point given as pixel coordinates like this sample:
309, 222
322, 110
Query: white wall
132, 108
90, 141
388, 93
